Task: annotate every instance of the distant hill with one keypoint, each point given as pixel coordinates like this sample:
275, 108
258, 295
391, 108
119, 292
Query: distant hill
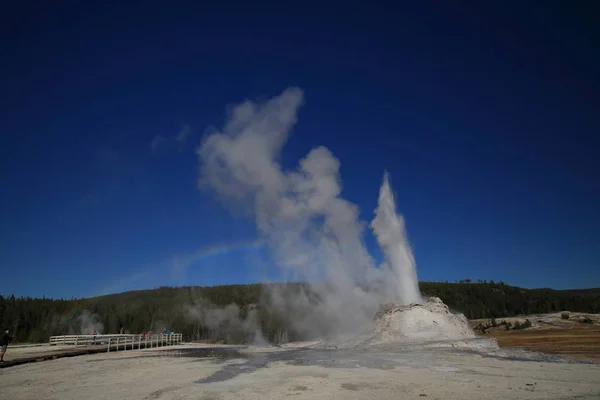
220, 313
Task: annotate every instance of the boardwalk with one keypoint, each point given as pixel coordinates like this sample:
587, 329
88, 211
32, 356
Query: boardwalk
75, 345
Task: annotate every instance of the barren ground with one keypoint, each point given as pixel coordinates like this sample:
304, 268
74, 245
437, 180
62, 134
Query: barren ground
552, 334
578, 343
308, 371
378, 373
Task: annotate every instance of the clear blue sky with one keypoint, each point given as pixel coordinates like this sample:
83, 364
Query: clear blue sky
486, 117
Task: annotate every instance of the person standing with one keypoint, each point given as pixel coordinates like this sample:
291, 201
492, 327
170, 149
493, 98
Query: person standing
4, 341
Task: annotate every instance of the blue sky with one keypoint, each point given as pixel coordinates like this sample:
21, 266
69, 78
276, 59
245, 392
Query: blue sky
486, 118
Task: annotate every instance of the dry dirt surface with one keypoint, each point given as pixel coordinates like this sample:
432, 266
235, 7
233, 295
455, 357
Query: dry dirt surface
582, 343
377, 373
552, 334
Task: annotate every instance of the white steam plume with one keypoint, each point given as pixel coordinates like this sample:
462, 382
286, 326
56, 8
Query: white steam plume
88, 323
388, 227
227, 321
314, 234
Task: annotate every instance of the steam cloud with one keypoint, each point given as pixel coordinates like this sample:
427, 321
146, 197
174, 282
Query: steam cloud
88, 323
227, 320
314, 234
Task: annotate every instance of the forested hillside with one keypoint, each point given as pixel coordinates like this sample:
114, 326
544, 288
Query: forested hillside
235, 313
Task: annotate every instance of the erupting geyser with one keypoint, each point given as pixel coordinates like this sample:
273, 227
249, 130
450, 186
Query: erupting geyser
315, 235
388, 227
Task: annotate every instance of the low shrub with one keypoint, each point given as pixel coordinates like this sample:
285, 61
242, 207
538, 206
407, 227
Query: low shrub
522, 325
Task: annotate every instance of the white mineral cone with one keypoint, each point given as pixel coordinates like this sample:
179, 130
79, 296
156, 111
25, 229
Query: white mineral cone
427, 322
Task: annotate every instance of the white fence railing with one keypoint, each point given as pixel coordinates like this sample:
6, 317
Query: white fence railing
119, 342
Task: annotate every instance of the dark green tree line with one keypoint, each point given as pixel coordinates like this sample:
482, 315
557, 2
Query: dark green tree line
35, 320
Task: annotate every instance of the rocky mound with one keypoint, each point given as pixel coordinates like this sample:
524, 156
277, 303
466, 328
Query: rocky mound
427, 322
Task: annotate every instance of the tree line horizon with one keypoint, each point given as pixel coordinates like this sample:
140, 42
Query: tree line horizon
457, 281
34, 320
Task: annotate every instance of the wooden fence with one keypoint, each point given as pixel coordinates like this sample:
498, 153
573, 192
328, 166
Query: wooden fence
119, 342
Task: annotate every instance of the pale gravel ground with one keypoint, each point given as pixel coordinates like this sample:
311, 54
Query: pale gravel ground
19, 351
377, 374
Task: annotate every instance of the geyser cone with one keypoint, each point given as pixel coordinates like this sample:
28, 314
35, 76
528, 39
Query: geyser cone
431, 321
388, 227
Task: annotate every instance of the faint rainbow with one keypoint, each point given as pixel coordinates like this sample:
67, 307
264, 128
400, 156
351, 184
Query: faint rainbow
220, 250
182, 262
